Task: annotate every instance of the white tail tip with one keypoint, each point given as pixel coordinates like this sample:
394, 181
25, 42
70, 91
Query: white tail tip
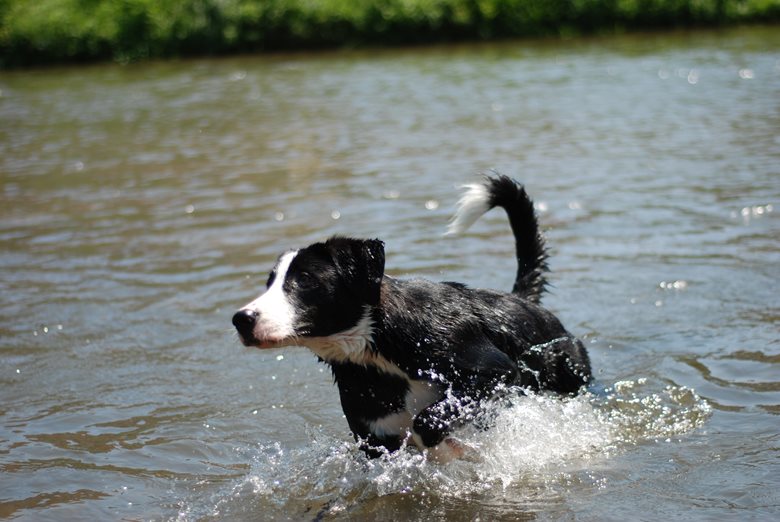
474, 202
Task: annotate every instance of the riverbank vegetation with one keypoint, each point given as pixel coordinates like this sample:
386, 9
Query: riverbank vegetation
55, 31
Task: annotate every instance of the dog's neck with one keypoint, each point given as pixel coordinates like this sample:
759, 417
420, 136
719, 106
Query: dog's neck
352, 346
347, 346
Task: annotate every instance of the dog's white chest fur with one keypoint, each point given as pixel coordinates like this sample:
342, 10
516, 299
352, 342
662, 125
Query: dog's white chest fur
353, 346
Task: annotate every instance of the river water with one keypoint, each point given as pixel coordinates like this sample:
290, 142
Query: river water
142, 204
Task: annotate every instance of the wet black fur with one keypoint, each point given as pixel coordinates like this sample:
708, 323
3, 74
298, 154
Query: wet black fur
471, 339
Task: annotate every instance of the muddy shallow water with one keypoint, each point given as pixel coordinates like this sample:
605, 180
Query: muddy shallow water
141, 205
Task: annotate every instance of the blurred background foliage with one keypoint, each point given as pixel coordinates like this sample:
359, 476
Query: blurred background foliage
50, 31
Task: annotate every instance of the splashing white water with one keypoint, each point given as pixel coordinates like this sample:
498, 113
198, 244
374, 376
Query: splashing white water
538, 439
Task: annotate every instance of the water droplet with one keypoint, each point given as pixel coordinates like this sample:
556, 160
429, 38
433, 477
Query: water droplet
279, 216
189, 209
335, 214
746, 74
280, 357
431, 204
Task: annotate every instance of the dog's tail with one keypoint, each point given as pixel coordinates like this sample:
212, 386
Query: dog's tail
502, 191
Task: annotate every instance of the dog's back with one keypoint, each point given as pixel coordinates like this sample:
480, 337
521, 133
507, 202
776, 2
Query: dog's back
455, 330
548, 356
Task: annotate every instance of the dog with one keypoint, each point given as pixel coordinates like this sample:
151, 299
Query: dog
414, 359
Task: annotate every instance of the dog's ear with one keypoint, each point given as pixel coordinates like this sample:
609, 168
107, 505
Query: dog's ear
361, 264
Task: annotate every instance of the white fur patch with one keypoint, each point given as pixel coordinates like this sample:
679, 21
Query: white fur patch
421, 394
276, 315
474, 202
347, 346
351, 346
398, 423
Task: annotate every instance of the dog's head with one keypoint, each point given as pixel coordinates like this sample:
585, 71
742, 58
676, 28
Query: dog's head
317, 291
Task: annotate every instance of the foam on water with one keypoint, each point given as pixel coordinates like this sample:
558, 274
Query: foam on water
537, 441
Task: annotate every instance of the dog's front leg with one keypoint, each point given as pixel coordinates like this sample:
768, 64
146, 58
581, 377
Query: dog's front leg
435, 422
475, 369
432, 426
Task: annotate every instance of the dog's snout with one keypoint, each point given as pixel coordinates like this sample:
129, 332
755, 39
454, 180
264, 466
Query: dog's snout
244, 321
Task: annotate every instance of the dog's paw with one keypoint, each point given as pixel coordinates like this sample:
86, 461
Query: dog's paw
452, 449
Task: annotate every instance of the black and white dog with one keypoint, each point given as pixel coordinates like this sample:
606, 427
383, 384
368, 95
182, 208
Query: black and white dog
411, 358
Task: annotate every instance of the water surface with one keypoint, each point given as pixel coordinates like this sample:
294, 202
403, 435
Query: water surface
141, 205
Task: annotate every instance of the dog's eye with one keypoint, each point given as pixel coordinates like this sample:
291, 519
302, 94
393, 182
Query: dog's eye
306, 280
271, 278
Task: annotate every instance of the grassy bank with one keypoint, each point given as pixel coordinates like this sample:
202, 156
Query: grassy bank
50, 31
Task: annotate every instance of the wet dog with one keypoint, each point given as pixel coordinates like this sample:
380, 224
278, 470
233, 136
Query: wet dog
413, 358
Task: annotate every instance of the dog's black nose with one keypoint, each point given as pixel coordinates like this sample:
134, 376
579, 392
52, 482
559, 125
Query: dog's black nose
244, 320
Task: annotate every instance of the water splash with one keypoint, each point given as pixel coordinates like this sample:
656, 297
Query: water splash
536, 441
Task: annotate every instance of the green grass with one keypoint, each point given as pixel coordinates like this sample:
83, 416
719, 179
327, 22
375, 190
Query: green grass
50, 31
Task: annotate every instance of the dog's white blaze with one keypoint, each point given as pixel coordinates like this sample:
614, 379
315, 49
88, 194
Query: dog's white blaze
276, 315
474, 202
